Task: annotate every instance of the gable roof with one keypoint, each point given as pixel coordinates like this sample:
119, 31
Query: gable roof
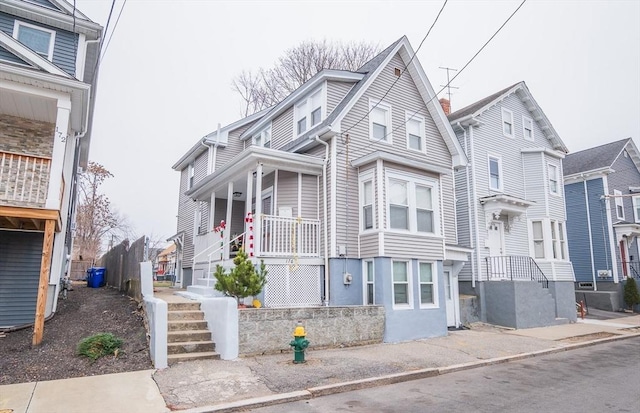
33, 59
599, 157
522, 91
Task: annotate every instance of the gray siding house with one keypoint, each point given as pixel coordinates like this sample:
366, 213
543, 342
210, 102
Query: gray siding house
345, 189
48, 54
602, 186
511, 211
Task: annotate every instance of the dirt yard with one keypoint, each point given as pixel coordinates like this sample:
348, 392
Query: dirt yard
86, 311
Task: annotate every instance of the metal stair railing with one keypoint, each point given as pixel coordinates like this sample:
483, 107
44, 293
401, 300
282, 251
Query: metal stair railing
634, 269
515, 267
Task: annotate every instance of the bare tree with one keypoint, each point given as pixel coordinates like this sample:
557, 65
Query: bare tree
266, 87
95, 217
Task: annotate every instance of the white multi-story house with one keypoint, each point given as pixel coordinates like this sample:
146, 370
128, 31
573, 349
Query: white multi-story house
349, 182
48, 55
511, 211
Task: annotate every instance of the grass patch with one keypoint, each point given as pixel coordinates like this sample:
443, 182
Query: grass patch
162, 283
99, 345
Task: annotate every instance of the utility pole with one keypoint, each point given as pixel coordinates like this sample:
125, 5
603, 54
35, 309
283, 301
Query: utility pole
448, 85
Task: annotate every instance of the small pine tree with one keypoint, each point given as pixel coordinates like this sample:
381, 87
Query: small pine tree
243, 280
631, 294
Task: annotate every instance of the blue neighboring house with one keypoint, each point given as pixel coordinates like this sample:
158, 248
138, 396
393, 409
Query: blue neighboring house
602, 189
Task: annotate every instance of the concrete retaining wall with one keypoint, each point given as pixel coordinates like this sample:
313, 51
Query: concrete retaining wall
156, 313
269, 330
221, 314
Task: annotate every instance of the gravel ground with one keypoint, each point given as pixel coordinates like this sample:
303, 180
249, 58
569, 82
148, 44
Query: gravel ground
87, 311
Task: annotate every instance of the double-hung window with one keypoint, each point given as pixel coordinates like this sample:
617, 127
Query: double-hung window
308, 113
191, 173
379, 121
401, 284
38, 39
636, 208
553, 179
263, 138
619, 201
495, 173
412, 204
563, 243
428, 291
555, 241
527, 128
366, 202
368, 281
538, 239
507, 123
415, 132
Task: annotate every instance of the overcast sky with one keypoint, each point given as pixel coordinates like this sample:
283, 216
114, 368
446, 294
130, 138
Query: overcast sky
165, 79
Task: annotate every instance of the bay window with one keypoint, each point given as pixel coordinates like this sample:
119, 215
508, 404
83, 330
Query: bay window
412, 204
367, 216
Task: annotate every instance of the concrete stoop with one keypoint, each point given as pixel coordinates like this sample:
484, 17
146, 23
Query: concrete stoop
188, 337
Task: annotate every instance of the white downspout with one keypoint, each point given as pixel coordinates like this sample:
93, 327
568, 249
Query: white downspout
326, 220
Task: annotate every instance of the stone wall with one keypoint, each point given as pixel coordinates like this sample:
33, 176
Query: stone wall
26, 137
269, 330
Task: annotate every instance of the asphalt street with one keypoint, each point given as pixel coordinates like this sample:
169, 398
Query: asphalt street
601, 378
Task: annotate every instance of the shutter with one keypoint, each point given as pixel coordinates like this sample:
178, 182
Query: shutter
20, 256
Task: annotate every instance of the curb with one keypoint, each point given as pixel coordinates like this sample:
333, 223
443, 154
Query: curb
344, 387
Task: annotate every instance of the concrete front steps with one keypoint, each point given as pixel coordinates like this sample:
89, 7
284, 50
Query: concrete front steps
188, 337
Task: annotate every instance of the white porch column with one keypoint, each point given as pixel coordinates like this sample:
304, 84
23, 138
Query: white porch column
212, 212
60, 137
227, 220
257, 220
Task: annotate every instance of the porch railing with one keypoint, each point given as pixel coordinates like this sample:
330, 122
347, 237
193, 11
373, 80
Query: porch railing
281, 236
634, 269
24, 178
515, 267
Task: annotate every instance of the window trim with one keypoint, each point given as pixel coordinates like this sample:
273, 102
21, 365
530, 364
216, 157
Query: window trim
562, 239
191, 174
261, 135
526, 119
636, 208
533, 240
420, 119
498, 158
409, 282
298, 114
434, 284
378, 104
412, 181
366, 177
618, 201
557, 175
366, 282
52, 38
510, 115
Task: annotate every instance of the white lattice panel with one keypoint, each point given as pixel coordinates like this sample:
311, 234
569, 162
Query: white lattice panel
293, 286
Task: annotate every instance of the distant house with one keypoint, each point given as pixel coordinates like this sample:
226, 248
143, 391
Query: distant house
344, 189
165, 265
48, 60
602, 186
511, 211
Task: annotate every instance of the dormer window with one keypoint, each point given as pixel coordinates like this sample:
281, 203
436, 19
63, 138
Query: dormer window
308, 113
36, 38
263, 138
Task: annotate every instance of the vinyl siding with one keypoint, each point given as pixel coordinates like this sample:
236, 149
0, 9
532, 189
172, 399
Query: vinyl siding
599, 233
626, 174
287, 192
448, 212
282, 129
63, 48
402, 97
237, 216
319, 151
578, 231
233, 148
20, 258
398, 245
336, 91
10, 57
369, 245
311, 197
556, 202
535, 185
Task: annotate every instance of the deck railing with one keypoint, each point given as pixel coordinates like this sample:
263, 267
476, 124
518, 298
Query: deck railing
289, 237
515, 267
24, 178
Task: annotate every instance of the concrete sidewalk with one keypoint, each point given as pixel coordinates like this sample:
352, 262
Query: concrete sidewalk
218, 385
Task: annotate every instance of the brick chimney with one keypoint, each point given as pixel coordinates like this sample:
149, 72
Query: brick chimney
446, 106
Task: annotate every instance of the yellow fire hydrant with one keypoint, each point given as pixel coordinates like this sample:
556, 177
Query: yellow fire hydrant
299, 343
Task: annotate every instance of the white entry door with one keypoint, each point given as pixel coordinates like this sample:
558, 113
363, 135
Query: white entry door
451, 298
495, 243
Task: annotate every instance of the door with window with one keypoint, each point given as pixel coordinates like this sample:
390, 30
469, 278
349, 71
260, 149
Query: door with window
497, 265
451, 297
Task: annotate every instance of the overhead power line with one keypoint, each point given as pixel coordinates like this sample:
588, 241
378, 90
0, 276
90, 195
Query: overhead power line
113, 31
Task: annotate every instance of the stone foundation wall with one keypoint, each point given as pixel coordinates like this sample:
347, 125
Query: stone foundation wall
269, 330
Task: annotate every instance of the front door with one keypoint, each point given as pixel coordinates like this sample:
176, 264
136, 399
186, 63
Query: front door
451, 298
497, 265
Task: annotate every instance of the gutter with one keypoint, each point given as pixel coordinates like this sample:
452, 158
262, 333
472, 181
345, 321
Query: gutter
326, 219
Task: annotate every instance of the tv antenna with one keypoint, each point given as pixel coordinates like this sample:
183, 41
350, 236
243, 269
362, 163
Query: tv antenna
448, 85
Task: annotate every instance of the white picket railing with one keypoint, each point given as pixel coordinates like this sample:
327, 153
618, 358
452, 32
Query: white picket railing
287, 237
24, 178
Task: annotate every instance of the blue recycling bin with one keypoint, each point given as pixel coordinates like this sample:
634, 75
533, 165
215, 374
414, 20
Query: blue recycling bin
96, 277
